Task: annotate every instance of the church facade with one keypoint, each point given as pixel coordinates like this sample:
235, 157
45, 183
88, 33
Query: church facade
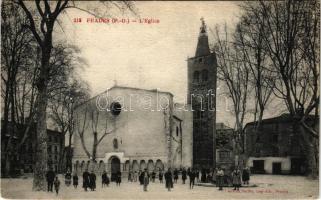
134, 129
130, 129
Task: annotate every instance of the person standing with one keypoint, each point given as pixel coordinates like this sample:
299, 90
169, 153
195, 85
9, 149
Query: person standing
188, 171
135, 176
184, 175
86, 180
214, 178
92, 178
50, 176
145, 179
75, 180
192, 175
209, 175
57, 185
141, 178
175, 175
130, 179
153, 176
197, 175
246, 176
220, 177
104, 179
169, 179
118, 178
203, 175
160, 176
236, 179
68, 178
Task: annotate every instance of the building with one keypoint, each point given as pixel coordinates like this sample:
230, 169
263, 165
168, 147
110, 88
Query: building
24, 160
56, 146
202, 70
144, 129
225, 145
275, 148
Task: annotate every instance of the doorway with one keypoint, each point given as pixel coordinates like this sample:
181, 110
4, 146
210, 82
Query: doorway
258, 167
297, 166
115, 167
276, 168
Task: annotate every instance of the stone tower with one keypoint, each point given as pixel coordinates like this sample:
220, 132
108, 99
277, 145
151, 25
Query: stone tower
202, 69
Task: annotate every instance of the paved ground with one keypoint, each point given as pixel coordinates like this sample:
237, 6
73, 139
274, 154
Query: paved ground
268, 187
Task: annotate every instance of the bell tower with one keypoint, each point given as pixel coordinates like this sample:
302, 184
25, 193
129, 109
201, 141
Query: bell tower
202, 71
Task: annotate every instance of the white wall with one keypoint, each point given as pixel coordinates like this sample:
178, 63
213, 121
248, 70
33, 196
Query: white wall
140, 132
285, 163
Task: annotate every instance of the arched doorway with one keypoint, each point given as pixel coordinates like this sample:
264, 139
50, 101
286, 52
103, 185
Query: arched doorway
135, 166
142, 165
114, 167
150, 166
159, 165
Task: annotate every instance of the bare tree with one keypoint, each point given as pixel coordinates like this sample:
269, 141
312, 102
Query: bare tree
17, 44
61, 112
292, 44
87, 119
48, 12
235, 74
249, 40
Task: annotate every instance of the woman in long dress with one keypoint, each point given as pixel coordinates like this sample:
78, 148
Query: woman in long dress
146, 179
68, 178
168, 179
236, 179
220, 178
246, 176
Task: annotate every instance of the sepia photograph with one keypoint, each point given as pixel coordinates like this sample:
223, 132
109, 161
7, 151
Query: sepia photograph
160, 99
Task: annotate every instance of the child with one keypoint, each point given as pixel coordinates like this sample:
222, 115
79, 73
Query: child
57, 184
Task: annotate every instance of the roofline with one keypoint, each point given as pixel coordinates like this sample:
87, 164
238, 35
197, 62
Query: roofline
287, 118
124, 87
33, 125
190, 58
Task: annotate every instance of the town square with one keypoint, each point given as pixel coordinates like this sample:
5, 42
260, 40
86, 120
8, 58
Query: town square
160, 99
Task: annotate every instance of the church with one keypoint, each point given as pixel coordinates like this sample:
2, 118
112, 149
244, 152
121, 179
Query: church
130, 129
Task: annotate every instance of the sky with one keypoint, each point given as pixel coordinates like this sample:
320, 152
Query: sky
146, 56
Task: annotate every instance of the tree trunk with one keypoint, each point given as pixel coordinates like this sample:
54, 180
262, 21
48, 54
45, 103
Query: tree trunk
309, 151
39, 181
8, 165
69, 155
10, 131
94, 146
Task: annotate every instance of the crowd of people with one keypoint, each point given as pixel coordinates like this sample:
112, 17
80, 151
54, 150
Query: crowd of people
171, 177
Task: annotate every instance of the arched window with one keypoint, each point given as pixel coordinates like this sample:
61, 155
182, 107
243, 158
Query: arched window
115, 143
196, 76
204, 75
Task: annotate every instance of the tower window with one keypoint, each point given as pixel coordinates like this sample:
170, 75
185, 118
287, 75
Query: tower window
196, 76
177, 131
204, 75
